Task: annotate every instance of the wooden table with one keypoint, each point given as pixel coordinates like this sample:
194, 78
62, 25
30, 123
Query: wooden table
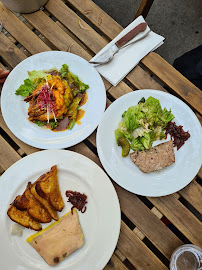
151, 228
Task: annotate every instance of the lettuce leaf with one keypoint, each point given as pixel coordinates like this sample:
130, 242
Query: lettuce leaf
53, 124
132, 116
166, 116
72, 78
119, 133
136, 144
25, 89
79, 84
40, 123
64, 70
34, 75
147, 140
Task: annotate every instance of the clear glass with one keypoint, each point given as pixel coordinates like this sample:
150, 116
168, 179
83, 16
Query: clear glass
186, 257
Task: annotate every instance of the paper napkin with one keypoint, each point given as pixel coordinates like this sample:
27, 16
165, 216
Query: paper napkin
127, 58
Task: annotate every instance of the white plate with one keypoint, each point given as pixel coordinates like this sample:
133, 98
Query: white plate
14, 109
100, 223
123, 171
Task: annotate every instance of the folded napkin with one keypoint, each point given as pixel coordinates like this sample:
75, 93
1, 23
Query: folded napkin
127, 58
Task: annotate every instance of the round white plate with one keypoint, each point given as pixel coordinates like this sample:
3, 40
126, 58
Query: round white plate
100, 223
14, 109
123, 171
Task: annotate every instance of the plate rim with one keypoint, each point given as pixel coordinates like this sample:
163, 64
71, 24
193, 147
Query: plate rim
102, 159
59, 145
13, 167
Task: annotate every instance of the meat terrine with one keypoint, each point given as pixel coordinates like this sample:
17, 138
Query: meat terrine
155, 158
59, 240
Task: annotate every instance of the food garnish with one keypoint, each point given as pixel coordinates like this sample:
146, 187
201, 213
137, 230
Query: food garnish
123, 142
144, 123
53, 95
178, 135
59, 240
155, 158
77, 199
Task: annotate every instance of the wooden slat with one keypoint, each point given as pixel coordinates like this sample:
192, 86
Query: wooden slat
193, 194
54, 33
72, 36
25, 147
120, 255
97, 17
180, 216
138, 233
120, 90
142, 80
21, 32
200, 173
76, 25
157, 213
8, 154
144, 8
82, 149
9, 52
115, 264
1, 170
136, 252
175, 80
20, 152
147, 222
2, 66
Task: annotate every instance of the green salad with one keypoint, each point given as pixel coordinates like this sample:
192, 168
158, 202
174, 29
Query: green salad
142, 124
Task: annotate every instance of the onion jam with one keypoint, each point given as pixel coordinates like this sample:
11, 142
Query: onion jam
77, 199
178, 135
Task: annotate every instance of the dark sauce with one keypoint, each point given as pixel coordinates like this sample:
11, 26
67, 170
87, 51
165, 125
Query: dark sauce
178, 135
77, 199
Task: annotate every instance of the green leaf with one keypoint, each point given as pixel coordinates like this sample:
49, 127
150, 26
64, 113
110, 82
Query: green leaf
147, 140
166, 116
119, 133
136, 145
40, 123
37, 81
131, 117
25, 89
142, 100
34, 75
162, 135
79, 84
53, 124
64, 70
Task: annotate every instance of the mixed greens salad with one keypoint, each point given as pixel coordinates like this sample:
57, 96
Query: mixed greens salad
142, 124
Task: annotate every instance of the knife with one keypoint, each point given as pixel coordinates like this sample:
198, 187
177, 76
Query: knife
109, 53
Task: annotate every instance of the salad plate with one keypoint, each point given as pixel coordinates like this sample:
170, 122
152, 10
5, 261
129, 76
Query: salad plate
124, 172
100, 223
15, 109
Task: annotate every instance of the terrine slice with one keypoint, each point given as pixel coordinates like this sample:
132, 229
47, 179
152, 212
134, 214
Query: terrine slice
155, 158
59, 240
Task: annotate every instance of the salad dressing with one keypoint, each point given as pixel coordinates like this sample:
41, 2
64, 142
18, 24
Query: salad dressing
80, 115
